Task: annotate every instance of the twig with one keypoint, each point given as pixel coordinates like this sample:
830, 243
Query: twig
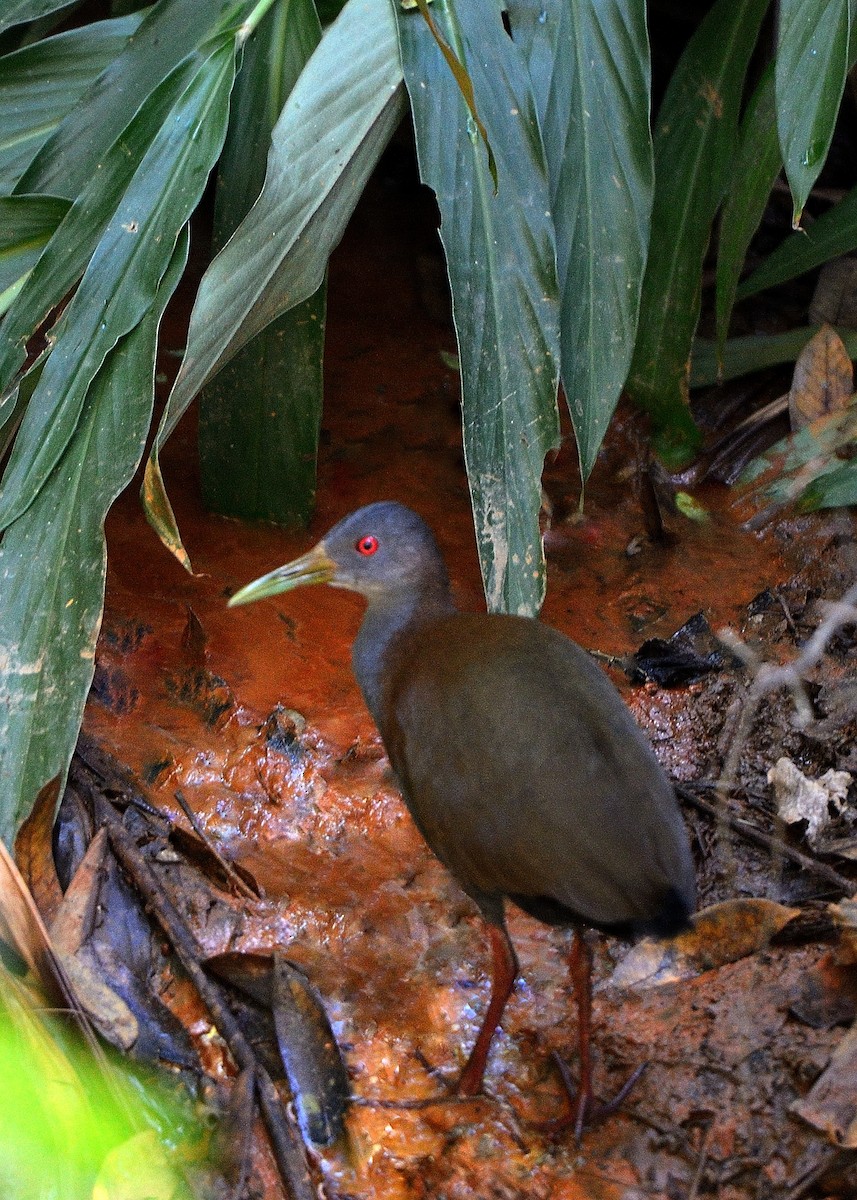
703, 1159
285, 1142
751, 833
231, 874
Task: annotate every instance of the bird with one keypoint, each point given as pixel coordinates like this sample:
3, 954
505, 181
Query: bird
517, 758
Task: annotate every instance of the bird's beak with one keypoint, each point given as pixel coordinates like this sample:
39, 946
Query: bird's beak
313, 567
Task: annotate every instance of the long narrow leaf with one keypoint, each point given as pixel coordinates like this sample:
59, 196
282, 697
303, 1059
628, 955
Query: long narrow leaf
50, 616
589, 62
259, 417
336, 122
27, 224
757, 163
833, 234
41, 84
694, 146
16, 12
811, 66
122, 278
171, 30
753, 353
501, 260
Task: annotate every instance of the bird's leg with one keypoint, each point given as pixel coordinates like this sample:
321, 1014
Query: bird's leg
504, 969
580, 1098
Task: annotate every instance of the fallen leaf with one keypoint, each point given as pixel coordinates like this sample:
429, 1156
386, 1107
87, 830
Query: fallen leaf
831, 1103
802, 799
845, 915
34, 852
823, 380
721, 933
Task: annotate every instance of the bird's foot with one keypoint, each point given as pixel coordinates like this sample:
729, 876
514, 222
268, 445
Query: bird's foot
583, 1110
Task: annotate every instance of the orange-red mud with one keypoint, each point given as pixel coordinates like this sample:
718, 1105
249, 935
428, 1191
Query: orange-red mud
350, 891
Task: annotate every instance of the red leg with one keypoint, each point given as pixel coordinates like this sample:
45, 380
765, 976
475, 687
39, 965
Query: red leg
504, 968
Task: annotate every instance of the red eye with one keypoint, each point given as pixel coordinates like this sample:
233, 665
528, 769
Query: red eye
367, 545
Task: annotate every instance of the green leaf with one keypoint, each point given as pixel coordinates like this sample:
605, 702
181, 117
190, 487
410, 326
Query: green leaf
694, 149
123, 275
500, 255
259, 418
757, 164
589, 63
52, 561
77, 237
833, 234
834, 489
813, 39
41, 84
171, 30
336, 121
27, 224
742, 355
16, 12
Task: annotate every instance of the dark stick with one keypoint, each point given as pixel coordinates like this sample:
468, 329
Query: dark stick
776, 845
286, 1144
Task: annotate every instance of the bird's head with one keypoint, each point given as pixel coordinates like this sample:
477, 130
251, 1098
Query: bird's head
378, 550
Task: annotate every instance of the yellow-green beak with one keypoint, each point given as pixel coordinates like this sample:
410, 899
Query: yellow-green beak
312, 567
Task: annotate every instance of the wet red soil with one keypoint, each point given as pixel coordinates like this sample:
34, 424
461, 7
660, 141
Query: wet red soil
350, 891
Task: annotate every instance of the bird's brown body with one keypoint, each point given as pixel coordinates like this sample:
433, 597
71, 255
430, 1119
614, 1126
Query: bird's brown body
521, 764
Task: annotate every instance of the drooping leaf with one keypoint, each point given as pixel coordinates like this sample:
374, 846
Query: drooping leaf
589, 63
16, 12
694, 148
757, 163
26, 225
122, 278
833, 234
501, 260
41, 84
170, 31
259, 418
335, 123
50, 617
811, 66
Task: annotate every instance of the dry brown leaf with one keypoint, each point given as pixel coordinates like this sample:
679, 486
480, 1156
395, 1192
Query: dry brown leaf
34, 852
831, 1103
721, 934
21, 925
73, 922
823, 380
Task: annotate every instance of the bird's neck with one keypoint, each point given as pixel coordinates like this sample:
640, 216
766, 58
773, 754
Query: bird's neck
389, 618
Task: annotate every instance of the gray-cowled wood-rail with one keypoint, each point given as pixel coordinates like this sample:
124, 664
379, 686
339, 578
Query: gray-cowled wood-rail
520, 763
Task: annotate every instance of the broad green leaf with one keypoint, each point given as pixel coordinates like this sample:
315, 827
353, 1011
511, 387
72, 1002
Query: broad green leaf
501, 260
52, 562
834, 489
41, 84
77, 237
694, 149
833, 234
122, 278
757, 164
16, 12
337, 120
754, 353
813, 39
27, 224
259, 417
589, 63
171, 30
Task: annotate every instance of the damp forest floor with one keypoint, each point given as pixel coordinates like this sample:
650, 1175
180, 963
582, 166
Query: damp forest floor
251, 719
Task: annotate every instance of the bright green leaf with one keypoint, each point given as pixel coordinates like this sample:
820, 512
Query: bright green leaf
694, 150
501, 260
811, 65
41, 84
589, 63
